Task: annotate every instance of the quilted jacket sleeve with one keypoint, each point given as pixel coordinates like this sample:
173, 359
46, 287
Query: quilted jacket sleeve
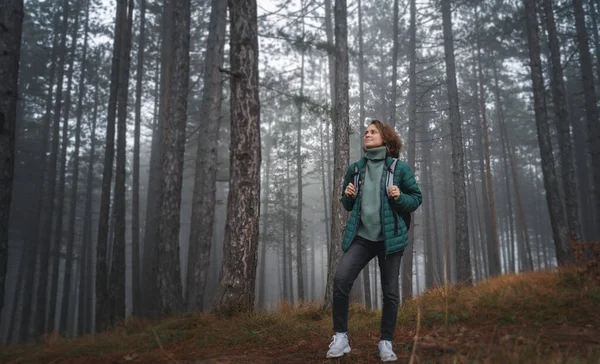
410, 194
348, 202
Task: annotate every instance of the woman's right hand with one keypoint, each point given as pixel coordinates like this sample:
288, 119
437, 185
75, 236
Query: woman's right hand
350, 191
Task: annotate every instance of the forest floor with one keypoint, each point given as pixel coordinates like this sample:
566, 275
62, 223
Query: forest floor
536, 317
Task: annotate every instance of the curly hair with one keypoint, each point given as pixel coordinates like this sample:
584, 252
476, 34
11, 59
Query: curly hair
390, 138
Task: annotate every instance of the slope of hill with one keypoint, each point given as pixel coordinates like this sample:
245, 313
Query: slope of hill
536, 317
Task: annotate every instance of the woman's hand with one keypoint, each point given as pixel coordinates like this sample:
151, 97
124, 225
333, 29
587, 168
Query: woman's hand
394, 192
350, 191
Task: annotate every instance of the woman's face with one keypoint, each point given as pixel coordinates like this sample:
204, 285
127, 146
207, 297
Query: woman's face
372, 137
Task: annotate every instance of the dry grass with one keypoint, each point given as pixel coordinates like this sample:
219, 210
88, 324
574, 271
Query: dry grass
537, 317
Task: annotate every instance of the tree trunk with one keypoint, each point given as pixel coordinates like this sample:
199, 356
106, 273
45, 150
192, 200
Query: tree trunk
150, 254
463, 260
543, 132
236, 288
361, 128
265, 222
173, 147
341, 150
203, 206
85, 292
407, 261
136, 292
596, 33
591, 108
11, 20
102, 303
116, 286
494, 249
299, 103
395, 76
75, 177
564, 134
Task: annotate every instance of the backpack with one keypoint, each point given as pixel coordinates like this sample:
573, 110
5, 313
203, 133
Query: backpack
389, 182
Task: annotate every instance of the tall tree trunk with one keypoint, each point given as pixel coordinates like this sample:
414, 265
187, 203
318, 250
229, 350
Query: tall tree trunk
236, 287
203, 206
591, 108
46, 234
341, 150
150, 253
11, 21
463, 260
494, 249
265, 223
523, 231
543, 132
39, 197
299, 103
102, 303
288, 238
85, 292
361, 128
74, 181
116, 285
173, 147
60, 199
136, 291
331, 74
596, 33
395, 21
407, 261
564, 134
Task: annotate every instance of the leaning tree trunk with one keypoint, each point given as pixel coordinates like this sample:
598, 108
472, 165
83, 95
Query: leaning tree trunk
116, 284
240, 246
463, 259
564, 134
11, 20
102, 303
591, 108
341, 146
203, 205
173, 148
559, 229
136, 292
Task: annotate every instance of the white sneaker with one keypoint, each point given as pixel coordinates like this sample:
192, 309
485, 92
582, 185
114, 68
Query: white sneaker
385, 351
339, 346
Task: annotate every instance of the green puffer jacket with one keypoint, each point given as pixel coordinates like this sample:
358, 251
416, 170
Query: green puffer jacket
395, 231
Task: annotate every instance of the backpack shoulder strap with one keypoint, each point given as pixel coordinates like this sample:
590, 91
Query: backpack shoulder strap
390, 176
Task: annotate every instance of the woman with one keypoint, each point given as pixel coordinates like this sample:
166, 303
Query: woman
380, 192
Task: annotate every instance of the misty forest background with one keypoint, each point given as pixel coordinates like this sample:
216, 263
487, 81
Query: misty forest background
142, 158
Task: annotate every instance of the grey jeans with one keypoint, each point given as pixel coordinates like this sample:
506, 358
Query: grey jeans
353, 261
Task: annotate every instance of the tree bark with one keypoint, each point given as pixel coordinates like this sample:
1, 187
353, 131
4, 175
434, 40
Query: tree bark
463, 259
361, 128
85, 292
238, 272
102, 302
395, 76
407, 261
116, 286
203, 205
11, 22
591, 108
543, 132
494, 249
341, 150
173, 147
564, 134
136, 291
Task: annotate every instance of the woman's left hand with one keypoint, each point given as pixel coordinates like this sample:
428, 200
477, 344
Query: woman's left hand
394, 192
